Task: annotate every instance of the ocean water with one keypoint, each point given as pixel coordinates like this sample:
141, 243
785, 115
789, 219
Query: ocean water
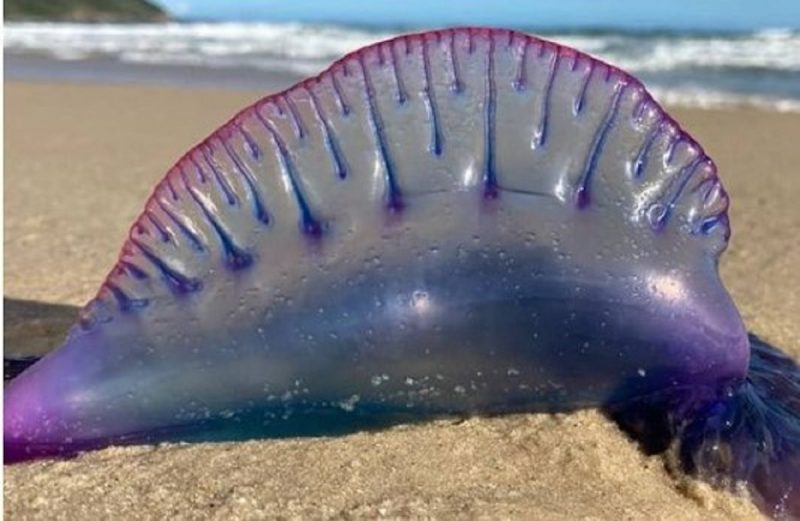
695, 69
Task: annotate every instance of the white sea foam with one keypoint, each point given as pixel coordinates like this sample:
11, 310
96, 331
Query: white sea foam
760, 68
295, 47
709, 99
776, 50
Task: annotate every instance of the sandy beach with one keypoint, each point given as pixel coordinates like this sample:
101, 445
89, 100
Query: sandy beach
80, 161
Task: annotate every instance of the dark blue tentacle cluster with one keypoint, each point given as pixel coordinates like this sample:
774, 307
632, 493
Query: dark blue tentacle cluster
743, 432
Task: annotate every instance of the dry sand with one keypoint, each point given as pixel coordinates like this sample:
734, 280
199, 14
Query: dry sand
80, 161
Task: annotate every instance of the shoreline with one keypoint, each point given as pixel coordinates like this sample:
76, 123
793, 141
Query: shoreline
110, 71
80, 161
107, 70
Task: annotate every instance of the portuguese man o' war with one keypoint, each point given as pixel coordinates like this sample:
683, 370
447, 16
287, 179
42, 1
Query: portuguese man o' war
459, 221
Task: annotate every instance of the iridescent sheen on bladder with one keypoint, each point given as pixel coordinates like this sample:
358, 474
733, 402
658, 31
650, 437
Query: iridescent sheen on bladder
463, 221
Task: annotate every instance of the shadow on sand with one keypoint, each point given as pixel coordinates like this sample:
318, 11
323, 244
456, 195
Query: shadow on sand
31, 330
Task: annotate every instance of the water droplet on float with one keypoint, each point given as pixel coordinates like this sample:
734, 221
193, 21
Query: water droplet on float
656, 215
378, 379
420, 301
349, 404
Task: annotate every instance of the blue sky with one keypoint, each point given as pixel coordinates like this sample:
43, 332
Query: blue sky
670, 14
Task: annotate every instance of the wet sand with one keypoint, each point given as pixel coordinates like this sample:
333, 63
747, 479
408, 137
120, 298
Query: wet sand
80, 161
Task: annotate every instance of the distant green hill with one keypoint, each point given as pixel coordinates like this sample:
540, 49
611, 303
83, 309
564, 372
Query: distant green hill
83, 11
